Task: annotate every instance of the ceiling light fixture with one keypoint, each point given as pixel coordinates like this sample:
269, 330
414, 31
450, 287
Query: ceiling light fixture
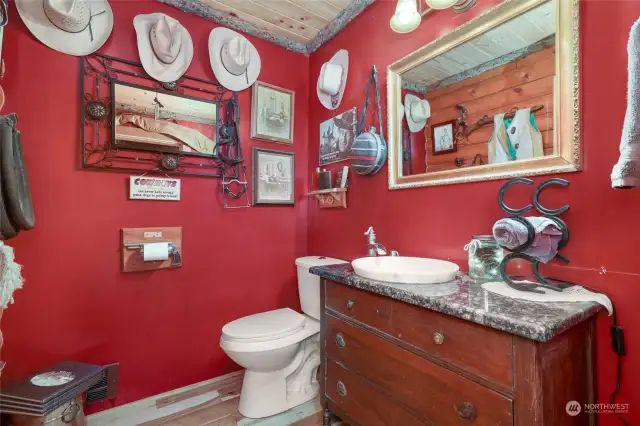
408, 17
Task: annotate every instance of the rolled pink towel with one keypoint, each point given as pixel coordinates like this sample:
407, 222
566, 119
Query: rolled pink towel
510, 233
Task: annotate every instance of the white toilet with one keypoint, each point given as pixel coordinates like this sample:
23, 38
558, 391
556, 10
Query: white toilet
279, 349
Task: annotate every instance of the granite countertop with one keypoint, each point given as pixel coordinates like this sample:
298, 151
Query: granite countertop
465, 298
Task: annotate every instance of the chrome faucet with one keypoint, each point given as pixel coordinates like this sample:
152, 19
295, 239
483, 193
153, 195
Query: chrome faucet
374, 248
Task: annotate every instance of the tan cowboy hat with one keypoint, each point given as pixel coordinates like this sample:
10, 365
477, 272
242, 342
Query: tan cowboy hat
74, 27
165, 47
234, 60
417, 111
333, 80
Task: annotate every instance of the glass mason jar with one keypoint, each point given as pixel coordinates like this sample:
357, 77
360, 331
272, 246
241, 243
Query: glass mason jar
485, 256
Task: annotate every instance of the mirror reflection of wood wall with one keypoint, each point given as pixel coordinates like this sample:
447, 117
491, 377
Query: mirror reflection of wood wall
524, 83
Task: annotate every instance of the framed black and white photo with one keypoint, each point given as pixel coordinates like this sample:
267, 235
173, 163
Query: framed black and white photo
443, 137
272, 110
273, 176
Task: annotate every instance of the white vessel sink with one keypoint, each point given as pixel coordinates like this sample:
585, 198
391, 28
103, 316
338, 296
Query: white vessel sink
405, 270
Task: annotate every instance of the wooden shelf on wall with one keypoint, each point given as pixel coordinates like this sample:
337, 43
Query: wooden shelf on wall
330, 198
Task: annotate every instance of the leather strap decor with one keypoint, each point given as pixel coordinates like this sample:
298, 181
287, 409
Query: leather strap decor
16, 193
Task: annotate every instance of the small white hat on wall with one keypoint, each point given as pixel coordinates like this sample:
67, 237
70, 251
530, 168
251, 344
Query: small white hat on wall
74, 27
417, 111
164, 45
234, 59
333, 80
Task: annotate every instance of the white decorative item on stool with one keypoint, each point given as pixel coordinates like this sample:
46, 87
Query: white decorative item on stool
279, 349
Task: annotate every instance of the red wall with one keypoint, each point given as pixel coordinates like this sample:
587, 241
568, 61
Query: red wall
163, 326
438, 221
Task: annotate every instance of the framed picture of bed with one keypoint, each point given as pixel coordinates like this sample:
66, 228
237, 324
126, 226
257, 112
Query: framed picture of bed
146, 118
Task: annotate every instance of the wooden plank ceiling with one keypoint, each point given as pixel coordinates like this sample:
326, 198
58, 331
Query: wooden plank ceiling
526, 33
300, 25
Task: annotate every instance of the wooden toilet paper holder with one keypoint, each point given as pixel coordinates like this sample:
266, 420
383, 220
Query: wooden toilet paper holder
134, 239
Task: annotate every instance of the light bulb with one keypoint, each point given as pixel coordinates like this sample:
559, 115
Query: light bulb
440, 4
406, 18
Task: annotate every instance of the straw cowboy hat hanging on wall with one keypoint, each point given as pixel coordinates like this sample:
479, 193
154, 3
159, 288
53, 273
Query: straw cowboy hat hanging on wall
74, 27
165, 47
333, 79
417, 111
234, 60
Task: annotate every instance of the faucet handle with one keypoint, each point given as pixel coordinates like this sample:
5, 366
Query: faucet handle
370, 231
380, 250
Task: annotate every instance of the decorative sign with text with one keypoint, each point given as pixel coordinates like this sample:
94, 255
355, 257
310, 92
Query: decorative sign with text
150, 188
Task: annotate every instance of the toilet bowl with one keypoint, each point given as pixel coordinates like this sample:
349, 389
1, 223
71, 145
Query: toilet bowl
279, 349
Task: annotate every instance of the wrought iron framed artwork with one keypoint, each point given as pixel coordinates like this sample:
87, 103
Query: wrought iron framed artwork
133, 123
273, 175
272, 113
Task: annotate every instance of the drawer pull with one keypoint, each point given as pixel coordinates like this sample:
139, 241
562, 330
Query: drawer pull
466, 411
350, 304
340, 340
342, 389
438, 338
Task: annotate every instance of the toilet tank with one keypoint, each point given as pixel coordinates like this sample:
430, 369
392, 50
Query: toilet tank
309, 284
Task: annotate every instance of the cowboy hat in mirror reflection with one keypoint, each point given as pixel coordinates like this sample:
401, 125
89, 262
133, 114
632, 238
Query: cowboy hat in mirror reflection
164, 45
333, 80
234, 59
417, 111
149, 119
74, 27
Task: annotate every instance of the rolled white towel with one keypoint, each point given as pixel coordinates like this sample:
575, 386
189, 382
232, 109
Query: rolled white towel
626, 173
510, 233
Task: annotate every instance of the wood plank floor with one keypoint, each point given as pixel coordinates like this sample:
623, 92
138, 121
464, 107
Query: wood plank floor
210, 403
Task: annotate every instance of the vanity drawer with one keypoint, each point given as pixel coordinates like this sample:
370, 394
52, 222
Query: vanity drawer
368, 308
480, 350
438, 394
362, 401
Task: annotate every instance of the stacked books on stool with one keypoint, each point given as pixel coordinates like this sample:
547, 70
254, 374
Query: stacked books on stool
57, 388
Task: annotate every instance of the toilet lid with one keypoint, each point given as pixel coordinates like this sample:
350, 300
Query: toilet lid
272, 324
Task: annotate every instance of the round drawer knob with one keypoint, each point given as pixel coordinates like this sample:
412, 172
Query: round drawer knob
350, 304
340, 340
342, 389
438, 338
466, 411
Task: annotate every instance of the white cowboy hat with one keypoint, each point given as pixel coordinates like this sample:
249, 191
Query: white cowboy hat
333, 79
165, 47
74, 27
234, 60
417, 111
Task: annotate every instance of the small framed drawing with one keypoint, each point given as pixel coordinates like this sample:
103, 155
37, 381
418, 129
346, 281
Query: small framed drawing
442, 138
272, 113
273, 176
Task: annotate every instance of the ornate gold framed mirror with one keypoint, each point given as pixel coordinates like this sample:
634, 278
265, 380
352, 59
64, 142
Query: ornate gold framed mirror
497, 97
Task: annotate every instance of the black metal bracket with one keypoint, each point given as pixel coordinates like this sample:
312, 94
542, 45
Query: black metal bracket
518, 252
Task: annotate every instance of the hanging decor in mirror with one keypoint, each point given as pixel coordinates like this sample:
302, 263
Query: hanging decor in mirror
133, 123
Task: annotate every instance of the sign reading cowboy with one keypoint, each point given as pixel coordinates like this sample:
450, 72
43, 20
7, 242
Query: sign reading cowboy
148, 188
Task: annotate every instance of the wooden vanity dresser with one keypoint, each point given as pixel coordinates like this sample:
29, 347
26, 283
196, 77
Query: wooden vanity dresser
392, 363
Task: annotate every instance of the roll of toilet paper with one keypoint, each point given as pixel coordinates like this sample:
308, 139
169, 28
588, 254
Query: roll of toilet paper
156, 251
